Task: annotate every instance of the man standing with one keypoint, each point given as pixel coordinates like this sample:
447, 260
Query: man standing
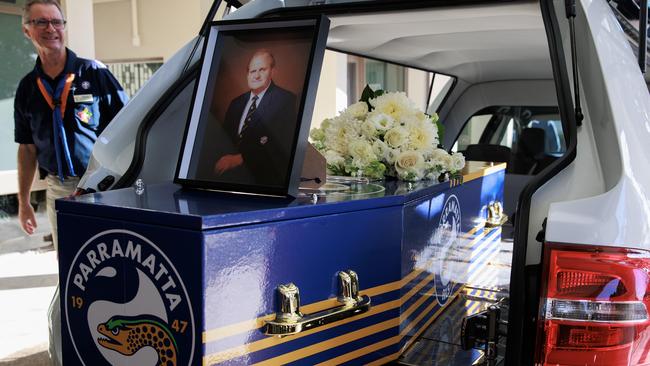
261, 124
60, 108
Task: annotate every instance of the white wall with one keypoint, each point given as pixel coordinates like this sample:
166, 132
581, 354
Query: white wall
326, 97
163, 27
417, 87
80, 30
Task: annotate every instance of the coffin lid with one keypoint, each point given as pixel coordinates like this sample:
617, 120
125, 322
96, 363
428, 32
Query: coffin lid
171, 205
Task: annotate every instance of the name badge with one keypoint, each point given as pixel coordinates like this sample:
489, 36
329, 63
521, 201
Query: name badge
83, 98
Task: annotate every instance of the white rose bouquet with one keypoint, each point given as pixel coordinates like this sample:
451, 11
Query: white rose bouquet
385, 135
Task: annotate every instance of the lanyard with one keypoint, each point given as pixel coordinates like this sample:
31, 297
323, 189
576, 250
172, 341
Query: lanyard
55, 99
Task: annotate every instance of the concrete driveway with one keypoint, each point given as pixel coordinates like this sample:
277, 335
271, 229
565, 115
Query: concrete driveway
28, 278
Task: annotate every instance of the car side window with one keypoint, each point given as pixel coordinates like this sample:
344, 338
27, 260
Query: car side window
527, 138
554, 143
472, 131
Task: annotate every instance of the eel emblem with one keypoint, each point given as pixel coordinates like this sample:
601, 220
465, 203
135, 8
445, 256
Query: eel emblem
127, 335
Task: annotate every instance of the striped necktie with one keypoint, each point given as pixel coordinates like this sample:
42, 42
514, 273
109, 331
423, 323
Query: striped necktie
249, 115
57, 101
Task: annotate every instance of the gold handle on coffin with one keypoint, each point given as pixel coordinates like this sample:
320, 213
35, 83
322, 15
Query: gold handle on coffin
288, 320
495, 215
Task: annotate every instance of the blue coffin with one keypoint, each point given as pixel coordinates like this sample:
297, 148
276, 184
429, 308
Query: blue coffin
185, 277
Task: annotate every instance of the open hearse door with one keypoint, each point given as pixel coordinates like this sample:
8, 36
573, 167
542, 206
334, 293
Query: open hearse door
416, 274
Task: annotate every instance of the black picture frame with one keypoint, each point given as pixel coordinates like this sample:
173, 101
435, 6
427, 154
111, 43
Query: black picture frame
229, 146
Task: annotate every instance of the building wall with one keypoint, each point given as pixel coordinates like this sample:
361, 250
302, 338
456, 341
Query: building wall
163, 27
417, 87
325, 106
81, 32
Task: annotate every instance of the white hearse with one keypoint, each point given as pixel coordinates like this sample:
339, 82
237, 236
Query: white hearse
558, 96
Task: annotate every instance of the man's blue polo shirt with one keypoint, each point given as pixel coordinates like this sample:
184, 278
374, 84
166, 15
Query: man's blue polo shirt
94, 99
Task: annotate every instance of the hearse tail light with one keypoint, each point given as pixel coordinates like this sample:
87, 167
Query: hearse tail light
595, 306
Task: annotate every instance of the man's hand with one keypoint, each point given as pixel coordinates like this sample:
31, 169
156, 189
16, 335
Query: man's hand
228, 162
27, 218
26, 170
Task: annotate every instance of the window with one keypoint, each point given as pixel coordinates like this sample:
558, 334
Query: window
376, 74
503, 125
528, 138
417, 84
18, 58
343, 78
439, 89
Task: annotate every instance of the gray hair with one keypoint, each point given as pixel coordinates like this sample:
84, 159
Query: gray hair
29, 3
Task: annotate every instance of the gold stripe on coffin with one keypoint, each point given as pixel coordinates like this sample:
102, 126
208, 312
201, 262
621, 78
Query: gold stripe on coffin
353, 336
477, 169
393, 340
265, 343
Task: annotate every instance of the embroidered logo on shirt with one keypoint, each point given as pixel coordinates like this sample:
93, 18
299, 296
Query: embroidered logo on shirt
85, 85
264, 140
84, 115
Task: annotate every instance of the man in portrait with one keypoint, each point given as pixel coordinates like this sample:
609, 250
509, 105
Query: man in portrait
261, 124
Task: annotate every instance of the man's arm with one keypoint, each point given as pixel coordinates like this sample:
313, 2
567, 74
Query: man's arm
228, 156
26, 170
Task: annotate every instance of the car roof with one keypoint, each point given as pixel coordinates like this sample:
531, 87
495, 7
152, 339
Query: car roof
475, 42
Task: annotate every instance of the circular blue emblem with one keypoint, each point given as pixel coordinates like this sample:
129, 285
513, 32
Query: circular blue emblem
446, 240
125, 304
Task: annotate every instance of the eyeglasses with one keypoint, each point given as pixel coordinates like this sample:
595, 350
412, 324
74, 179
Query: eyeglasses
44, 23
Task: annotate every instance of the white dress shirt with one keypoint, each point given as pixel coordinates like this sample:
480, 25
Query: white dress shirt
248, 106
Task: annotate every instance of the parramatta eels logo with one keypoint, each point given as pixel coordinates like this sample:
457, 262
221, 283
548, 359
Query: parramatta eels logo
446, 240
125, 303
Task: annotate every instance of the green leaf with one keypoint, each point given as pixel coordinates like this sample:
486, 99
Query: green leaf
367, 94
374, 170
336, 170
441, 131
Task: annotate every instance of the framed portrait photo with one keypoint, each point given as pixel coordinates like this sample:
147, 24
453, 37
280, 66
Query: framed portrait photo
253, 101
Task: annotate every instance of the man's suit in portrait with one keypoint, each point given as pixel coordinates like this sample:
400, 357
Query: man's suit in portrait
266, 141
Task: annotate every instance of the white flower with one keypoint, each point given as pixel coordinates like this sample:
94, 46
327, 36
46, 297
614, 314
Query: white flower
368, 129
362, 153
380, 148
395, 105
457, 162
441, 159
340, 132
327, 122
421, 116
357, 110
410, 120
434, 118
391, 155
317, 134
333, 158
410, 165
433, 170
337, 143
381, 121
396, 137
422, 137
